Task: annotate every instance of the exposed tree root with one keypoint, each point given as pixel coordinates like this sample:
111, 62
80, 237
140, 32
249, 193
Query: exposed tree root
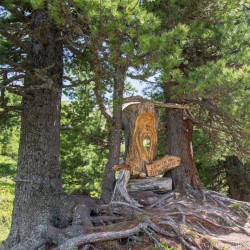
194, 223
120, 193
206, 221
74, 243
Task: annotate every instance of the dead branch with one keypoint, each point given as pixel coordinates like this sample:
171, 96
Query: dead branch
157, 104
170, 105
120, 193
71, 47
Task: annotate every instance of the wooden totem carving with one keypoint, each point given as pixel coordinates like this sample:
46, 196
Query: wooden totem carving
140, 123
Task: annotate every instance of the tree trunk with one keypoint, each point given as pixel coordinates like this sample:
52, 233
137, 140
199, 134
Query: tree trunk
180, 130
38, 182
108, 182
238, 179
140, 123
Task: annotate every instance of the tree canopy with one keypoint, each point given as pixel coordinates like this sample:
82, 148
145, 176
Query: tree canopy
192, 53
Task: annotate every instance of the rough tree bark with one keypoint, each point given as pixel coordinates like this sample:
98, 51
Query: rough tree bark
38, 180
179, 138
180, 130
108, 182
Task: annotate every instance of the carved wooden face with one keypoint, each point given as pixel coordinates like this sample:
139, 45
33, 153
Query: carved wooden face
145, 123
145, 130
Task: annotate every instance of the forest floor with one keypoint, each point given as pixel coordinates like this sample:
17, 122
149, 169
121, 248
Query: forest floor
204, 222
211, 222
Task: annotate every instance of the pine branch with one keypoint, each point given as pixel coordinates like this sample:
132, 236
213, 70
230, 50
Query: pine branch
71, 47
15, 89
11, 108
76, 83
101, 105
8, 81
220, 121
91, 138
11, 70
15, 40
18, 91
21, 66
142, 77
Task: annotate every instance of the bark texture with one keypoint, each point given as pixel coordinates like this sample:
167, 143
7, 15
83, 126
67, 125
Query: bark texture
180, 130
38, 181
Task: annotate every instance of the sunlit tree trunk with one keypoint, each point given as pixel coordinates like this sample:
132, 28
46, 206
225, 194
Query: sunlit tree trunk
38, 181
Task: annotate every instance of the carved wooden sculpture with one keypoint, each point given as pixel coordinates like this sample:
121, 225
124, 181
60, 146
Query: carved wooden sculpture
140, 123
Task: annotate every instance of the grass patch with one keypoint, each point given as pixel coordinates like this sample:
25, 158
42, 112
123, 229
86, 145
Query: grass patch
7, 167
6, 206
7, 174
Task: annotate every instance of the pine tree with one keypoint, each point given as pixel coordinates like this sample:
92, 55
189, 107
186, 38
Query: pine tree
204, 74
35, 41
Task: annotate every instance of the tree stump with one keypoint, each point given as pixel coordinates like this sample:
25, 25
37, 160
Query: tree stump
140, 123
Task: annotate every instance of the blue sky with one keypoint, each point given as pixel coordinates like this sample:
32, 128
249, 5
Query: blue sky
138, 85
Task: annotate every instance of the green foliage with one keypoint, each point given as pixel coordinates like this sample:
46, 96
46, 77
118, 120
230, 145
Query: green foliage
163, 246
236, 206
9, 128
7, 170
7, 167
215, 169
9, 141
121, 32
37, 4
6, 206
84, 147
203, 55
208, 67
